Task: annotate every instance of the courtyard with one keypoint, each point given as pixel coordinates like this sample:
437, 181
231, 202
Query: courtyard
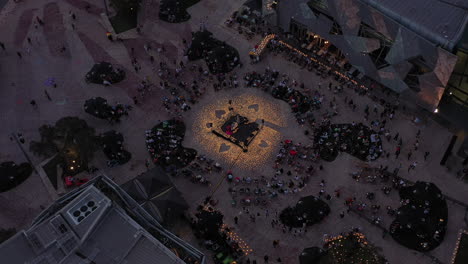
255, 150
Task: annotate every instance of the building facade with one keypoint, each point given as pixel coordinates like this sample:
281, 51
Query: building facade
407, 46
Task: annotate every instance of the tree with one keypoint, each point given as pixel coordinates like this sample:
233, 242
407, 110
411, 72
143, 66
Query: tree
352, 248
72, 139
12, 175
5, 234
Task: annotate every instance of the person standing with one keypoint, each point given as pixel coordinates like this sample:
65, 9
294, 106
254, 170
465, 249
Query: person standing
275, 243
34, 104
426, 154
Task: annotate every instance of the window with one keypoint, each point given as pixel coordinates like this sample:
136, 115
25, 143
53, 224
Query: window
378, 55
336, 29
62, 228
419, 67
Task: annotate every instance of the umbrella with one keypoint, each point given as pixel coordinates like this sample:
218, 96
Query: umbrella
293, 152
287, 141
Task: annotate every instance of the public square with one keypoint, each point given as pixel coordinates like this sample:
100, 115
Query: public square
249, 177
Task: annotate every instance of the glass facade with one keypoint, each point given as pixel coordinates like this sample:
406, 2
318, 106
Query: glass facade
457, 87
454, 103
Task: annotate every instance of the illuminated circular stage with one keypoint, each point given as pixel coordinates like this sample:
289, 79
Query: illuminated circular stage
241, 126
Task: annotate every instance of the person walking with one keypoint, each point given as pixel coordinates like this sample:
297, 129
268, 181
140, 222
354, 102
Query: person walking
409, 155
34, 104
2, 45
412, 166
19, 54
426, 154
265, 258
236, 219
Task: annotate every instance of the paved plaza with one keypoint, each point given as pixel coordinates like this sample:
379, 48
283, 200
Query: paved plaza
25, 79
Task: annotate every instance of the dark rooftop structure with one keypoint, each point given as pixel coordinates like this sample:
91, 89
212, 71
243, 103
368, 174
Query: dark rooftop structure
97, 223
155, 192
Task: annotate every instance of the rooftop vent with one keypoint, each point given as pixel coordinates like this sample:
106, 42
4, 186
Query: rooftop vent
82, 209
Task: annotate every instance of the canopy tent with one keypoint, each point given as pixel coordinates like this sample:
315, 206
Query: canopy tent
154, 191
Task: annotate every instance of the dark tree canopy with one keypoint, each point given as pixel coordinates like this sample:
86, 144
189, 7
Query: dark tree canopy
98, 107
219, 56
72, 139
421, 221
175, 11
309, 210
105, 71
350, 248
127, 14
12, 175
5, 234
112, 145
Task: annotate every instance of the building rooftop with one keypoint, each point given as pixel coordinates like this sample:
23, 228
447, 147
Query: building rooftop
445, 20
92, 226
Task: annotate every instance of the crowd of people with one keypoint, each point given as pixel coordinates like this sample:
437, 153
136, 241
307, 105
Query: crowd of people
283, 88
164, 144
356, 139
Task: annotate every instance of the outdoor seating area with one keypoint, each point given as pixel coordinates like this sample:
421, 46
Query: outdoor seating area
164, 143
356, 139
